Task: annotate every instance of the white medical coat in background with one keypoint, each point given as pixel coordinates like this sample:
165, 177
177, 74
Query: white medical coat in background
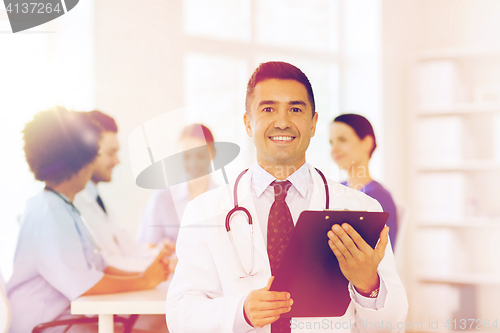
118, 247
163, 213
206, 291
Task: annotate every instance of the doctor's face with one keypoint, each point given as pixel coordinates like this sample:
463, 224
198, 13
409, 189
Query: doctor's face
281, 123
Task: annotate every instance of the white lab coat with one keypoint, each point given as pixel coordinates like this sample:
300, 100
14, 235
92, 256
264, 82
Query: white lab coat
206, 292
118, 248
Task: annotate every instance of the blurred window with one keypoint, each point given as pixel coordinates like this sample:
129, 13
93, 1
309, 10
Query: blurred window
335, 42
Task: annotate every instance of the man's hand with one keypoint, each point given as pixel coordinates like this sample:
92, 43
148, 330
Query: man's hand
158, 271
357, 260
167, 245
172, 262
263, 307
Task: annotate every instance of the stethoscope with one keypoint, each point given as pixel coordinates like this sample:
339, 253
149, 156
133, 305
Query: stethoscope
250, 222
92, 237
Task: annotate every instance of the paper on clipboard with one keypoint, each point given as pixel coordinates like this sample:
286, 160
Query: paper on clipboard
310, 271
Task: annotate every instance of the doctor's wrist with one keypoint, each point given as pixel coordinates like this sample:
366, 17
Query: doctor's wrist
369, 290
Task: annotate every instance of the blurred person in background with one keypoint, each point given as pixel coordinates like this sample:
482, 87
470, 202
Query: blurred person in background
165, 208
57, 259
353, 142
119, 248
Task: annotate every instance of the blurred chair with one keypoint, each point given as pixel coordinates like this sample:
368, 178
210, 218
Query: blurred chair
5, 317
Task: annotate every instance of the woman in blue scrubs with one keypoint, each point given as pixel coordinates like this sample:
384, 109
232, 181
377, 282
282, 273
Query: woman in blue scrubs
56, 259
353, 142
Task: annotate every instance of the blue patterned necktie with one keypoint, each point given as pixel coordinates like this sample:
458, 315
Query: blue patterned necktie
279, 231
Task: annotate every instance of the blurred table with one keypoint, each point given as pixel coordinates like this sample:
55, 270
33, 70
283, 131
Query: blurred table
150, 301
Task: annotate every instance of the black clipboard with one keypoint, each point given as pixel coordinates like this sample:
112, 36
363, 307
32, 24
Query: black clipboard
310, 271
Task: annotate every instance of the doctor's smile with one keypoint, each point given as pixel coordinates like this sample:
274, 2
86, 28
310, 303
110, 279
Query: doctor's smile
281, 138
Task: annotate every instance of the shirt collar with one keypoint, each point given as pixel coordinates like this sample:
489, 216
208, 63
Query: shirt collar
91, 189
300, 179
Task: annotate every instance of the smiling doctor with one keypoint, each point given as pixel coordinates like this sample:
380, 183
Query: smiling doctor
226, 267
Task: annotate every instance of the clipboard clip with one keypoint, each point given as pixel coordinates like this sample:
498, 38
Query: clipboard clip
344, 210
327, 217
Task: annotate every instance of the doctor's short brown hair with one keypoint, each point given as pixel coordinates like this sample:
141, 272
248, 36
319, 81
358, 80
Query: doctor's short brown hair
281, 71
107, 122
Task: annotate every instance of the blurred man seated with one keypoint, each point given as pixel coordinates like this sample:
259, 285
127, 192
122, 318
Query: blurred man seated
118, 248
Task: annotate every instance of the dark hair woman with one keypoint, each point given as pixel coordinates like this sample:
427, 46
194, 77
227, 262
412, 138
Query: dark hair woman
353, 143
